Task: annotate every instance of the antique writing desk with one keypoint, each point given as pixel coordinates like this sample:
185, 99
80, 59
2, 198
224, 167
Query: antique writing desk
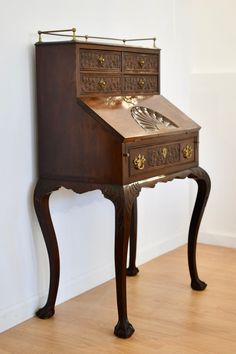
102, 124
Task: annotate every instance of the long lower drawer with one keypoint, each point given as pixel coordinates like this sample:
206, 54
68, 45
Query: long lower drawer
161, 158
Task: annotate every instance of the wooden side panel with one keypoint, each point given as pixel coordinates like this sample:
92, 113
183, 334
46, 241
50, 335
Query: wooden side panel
72, 144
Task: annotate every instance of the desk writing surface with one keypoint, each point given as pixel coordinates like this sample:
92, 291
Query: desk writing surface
116, 112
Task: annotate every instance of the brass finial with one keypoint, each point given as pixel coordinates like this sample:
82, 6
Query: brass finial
40, 36
154, 42
73, 36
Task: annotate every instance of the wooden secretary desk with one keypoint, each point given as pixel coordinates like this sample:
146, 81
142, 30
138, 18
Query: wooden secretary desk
102, 124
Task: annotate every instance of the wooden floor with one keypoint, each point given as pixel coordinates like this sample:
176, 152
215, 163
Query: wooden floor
168, 316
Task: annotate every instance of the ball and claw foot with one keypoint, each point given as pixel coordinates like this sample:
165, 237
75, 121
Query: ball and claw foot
124, 329
198, 285
45, 312
132, 271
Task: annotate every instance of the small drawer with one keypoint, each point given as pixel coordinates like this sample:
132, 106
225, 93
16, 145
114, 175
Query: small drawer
92, 83
100, 60
161, 157
140, 83
140, 62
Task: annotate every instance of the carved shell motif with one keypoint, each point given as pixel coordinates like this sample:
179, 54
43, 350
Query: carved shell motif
150, 120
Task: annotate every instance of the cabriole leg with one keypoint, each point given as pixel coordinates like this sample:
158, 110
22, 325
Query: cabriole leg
132, 270
204, 186
123, 198
41, 204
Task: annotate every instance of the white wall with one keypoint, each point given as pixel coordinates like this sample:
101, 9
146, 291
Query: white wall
213, 101
84, 223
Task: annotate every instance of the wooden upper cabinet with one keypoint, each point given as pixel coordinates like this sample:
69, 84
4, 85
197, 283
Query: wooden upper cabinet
117, 70
101, 118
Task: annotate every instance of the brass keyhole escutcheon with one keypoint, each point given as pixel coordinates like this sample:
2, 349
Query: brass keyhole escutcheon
164, 152
187, 151
141, 62
101, 60
139, 162
141, 83
102, 83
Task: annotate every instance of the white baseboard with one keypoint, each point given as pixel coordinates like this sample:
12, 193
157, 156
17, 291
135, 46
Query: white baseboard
14, 315
155, 250
21, 312
218, 239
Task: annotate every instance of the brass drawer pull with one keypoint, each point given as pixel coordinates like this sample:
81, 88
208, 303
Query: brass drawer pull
141, 83
101, 60
139, 162
187, 152
102, 83
141, 62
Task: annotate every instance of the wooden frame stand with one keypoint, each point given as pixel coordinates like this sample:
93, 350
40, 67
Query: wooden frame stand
124, 198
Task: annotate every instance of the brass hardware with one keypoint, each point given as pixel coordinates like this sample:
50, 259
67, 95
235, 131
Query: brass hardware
40, 36
141, 39
129, 100
154, 42
126, 154
164, 152
141, 83
57, 33
187, 152
101, 60
102, 83
86, 37
73, 36
139, 162
141, 62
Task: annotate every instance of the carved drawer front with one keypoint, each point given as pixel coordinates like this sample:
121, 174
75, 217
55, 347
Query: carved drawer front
92, 83
140, 83
162, 157
140, 62
99, 60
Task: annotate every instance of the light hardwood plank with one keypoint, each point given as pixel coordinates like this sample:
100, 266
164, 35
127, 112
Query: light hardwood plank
168, 316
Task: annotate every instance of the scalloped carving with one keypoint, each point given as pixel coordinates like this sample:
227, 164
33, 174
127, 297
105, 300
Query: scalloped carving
151, 120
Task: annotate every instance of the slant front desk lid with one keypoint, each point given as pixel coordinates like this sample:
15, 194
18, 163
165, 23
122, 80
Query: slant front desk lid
139, 116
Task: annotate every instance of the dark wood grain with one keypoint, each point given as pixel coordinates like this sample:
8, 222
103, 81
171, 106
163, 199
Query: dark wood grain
42, 193
204, 187
123, 198
132, 270
88, 139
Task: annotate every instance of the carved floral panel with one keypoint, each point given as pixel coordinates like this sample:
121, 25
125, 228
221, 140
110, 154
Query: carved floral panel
163, 155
